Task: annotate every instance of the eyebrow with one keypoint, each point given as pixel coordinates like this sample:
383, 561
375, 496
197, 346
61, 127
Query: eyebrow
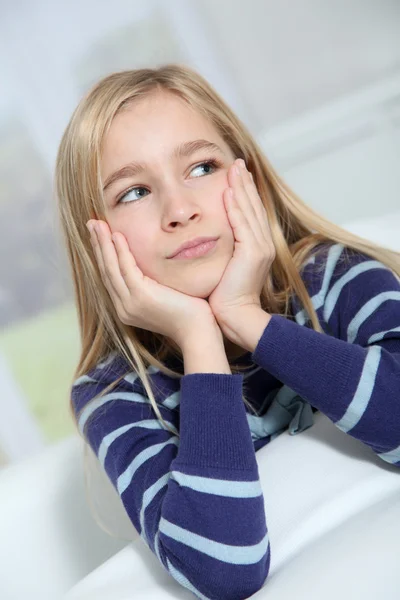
183, 150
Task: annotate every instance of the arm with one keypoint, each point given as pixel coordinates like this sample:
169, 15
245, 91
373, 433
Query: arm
195, 500
352, 371
205, 353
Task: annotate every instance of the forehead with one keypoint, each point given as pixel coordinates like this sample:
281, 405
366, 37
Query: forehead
160, 119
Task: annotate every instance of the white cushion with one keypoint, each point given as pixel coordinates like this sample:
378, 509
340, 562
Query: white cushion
323, 491
49, 539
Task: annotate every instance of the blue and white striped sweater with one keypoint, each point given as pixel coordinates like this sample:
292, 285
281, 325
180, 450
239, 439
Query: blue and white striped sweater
196, 500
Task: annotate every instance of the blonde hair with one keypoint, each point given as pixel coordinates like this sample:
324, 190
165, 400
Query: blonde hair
296, 229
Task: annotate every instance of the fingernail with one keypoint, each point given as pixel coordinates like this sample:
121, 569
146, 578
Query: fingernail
89, 225
242, 163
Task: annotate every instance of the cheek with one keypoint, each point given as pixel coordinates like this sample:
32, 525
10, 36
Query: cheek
215, 200
139, 242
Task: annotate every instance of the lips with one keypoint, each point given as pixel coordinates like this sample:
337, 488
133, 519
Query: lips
192, 244
196, 251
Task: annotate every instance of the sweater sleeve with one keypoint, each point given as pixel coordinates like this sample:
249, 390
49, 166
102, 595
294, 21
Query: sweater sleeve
351, 372
195, 500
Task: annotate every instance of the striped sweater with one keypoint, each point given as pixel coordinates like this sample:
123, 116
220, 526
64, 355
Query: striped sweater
196, 499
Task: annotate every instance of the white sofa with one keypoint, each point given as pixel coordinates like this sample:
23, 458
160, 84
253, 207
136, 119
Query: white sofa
333, 514
48, 537
332, 506
333, 511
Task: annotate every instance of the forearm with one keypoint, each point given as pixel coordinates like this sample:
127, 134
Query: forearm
356, 387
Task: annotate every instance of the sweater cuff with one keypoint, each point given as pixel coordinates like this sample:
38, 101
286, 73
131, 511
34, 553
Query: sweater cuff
214, 432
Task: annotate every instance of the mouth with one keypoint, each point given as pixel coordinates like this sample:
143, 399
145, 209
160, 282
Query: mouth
197, 251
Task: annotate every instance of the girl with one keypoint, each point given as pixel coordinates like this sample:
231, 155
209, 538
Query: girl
269, 298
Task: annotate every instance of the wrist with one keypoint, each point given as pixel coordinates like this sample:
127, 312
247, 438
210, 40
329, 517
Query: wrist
245, 326
202, 335
204, 352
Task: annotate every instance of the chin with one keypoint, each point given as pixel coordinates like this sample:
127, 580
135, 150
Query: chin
197, 291
200, 280
196, 287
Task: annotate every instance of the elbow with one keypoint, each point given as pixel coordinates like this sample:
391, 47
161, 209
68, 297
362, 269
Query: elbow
218, 579
242, 585
261, 580
391, 457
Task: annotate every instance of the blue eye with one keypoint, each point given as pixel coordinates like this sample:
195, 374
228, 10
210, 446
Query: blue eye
134, 189
210, 165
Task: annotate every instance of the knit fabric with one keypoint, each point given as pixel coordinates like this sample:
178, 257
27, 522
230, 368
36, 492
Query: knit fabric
196, 500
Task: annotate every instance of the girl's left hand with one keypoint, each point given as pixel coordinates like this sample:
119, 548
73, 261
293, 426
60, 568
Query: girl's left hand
254, 251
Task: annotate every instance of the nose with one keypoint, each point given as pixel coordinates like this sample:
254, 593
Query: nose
179, 209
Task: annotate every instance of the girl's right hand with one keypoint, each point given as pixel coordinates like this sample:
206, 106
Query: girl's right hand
141, 301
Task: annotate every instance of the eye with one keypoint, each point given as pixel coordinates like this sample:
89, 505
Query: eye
128, 193
210, 165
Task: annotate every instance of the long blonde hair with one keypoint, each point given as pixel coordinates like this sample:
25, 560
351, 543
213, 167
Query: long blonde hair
295, 228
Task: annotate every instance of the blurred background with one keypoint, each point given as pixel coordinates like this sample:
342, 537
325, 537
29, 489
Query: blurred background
317, 83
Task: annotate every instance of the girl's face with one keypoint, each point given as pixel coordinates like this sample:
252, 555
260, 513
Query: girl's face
168, 198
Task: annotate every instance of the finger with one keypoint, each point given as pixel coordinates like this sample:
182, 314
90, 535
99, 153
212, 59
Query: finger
259, 208
237, 185
127, 263
241, 228
108, 264
96, 248
259, 211
241, 187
